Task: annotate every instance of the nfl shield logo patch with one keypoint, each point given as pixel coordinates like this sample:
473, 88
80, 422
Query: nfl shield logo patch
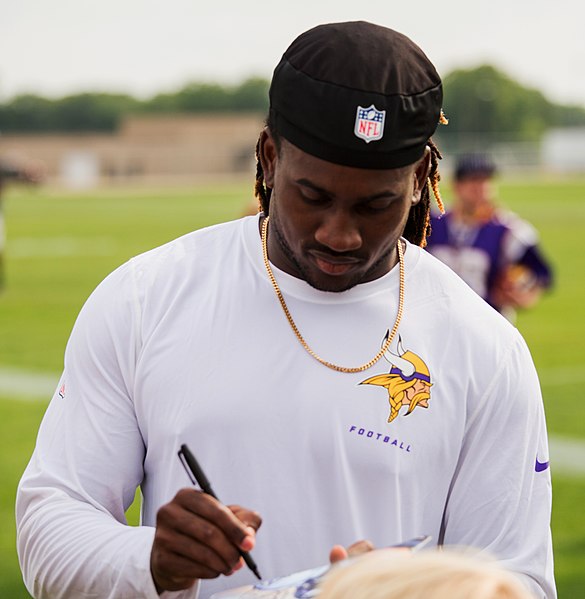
369, 123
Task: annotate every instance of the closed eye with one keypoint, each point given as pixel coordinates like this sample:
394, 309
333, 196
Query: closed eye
314, 198
377, 205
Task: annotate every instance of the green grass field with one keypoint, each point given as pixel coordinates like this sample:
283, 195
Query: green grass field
61, 244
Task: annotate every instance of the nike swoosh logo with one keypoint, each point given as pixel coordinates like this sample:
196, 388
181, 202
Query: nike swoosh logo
541, 466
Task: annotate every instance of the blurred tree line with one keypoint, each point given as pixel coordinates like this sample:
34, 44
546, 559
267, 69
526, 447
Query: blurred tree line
485, 103
103, 112
480, 101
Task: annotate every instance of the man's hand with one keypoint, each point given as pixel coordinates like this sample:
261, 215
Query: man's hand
339, 553
517, 288
198, 537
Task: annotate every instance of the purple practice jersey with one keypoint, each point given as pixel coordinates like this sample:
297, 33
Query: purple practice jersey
480, 254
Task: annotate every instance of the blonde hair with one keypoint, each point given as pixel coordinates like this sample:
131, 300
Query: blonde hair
389, 574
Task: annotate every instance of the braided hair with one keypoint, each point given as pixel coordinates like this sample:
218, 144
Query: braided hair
418, 225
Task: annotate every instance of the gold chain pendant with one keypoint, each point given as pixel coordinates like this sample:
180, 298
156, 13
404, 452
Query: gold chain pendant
298, 333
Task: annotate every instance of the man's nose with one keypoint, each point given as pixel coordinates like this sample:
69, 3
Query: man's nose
339, 232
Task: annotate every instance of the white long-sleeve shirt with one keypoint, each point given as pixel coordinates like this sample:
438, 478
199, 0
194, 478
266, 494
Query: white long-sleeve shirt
188, 344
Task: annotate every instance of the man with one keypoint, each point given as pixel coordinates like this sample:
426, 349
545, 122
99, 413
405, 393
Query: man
494, 251
255, 343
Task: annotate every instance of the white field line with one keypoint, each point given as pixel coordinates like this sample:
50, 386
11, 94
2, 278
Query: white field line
27, 384
562, 375
567, 456
52, 247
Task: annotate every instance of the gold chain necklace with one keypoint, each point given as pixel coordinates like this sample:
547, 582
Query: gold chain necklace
296, 330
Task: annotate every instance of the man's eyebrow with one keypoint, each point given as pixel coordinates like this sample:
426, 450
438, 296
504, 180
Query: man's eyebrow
307, 183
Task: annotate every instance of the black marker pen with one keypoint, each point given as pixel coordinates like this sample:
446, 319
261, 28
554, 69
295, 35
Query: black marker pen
197, 476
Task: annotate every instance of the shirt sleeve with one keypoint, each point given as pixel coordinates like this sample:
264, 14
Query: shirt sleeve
500, 497
521, 245
534, 260
72, 535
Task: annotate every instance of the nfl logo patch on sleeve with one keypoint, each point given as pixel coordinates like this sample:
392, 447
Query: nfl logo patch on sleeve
369, 123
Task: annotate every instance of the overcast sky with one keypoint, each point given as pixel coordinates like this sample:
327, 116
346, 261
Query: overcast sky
57, 47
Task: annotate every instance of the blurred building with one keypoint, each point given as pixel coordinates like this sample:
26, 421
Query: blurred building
175, 149
563, 150
147, 148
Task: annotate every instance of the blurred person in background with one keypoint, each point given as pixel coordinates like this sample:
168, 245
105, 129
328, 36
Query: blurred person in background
387, 574
21, 171
492, 249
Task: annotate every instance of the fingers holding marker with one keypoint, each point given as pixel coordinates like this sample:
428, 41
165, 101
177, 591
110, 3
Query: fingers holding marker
212, 523
250, 518
197, 537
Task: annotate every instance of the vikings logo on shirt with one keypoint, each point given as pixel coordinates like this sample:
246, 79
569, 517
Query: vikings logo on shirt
408, 383
369, 123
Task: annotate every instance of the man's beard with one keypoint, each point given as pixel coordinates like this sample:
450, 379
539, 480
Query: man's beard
287, 251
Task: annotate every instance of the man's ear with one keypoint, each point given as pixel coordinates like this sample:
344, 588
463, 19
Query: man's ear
421, 174
268, 155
